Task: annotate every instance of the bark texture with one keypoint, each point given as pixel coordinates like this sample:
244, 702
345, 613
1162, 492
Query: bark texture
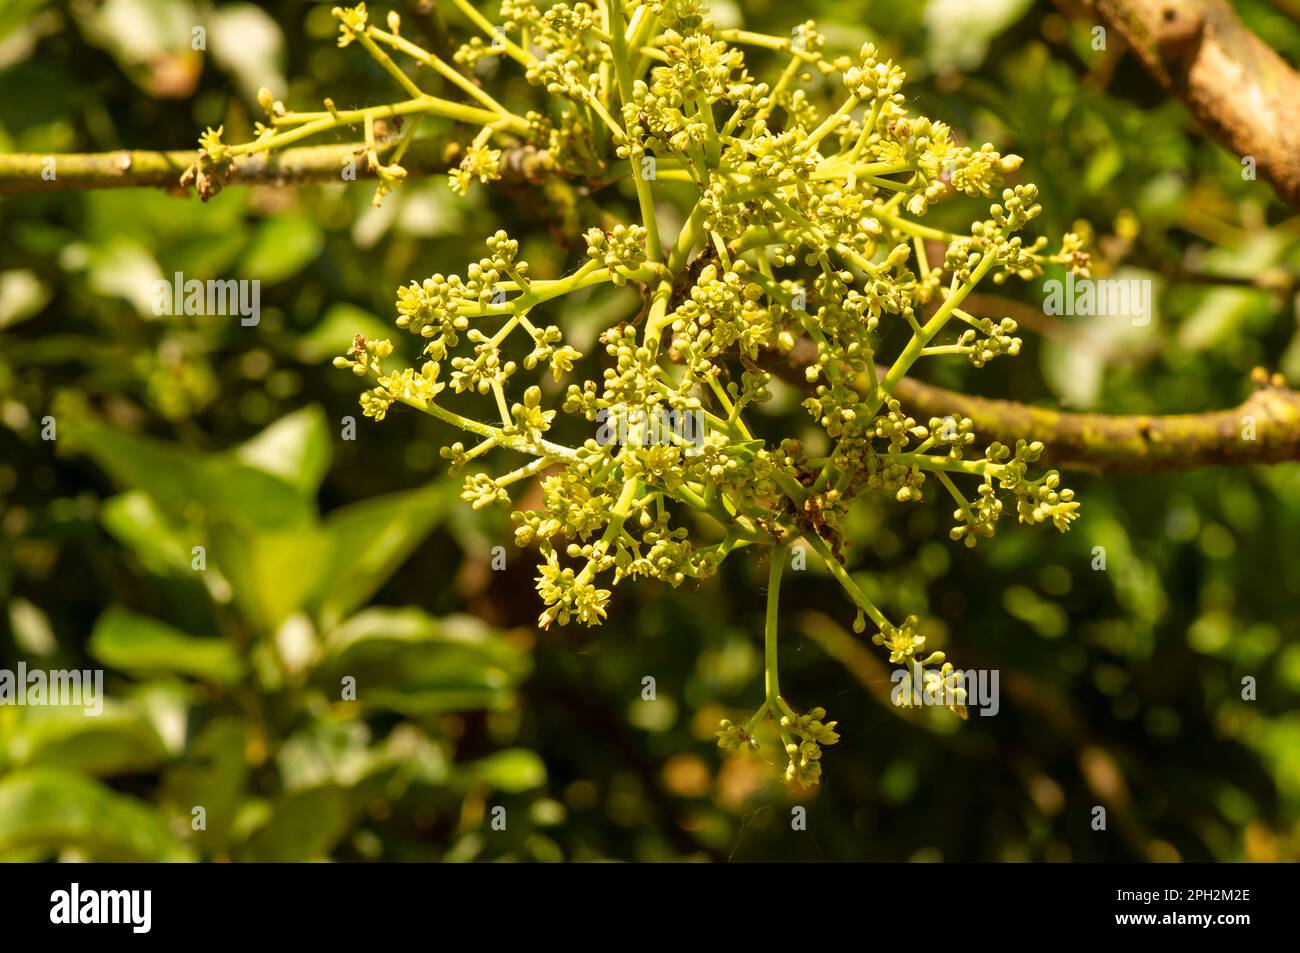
1264, 428
1237, 87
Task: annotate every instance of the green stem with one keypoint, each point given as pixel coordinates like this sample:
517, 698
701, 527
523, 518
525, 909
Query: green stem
442, 69
512, 49
932, 327
830, 122
844, 579
617, 517
912, 228
772, 679
623, 73
323, 122
389, 66
946, 464
956, 495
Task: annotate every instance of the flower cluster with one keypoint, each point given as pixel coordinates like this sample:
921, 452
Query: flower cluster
804, 749
934, 686
481, 163
804, 232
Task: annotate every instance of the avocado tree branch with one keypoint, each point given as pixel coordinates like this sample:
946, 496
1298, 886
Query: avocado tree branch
35, 172
1237, 87
1264, 428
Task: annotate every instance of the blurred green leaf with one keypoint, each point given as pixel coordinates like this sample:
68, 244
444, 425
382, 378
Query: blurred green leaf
31, 629
17, 13
405, 660
513, 771
281, 247
249, 45
118, 741
122, 268
296, 448
136, 522
334, 332
371, 539
213, 777
144, 646
190, 486
273, 574
335, 752
53, 810
303, 827
961, 30
170, 229
21, 295
150, 40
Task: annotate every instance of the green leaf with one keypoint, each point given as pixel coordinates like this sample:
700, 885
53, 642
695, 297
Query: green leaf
326, 752
275, 574
213, 775
169, 229
962, 30
120, 267
32, 633
1221, 316
17, 15
118, 741
404, 660
303, 827
370, 540
281, 247
1227, 313
50, 810
513, 771
143, 646
150, 40
192, 487
335, 331
341, 753
22, 295
136, 522
249, 45
296, 448
1076, 369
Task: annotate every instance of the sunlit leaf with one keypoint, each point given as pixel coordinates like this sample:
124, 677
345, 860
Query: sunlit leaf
144, 646
281, 247
296, 448
191, 486
50, 810
370, 540
513, 771
119, 740
405, 660
213, 777
334, 333
136, 521
249, 45
273, 574
302, 827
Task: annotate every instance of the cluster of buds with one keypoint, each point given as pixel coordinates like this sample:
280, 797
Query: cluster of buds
804, 750
808, 187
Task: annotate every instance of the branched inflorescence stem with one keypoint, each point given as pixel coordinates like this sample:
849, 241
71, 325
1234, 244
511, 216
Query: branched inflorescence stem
803, 225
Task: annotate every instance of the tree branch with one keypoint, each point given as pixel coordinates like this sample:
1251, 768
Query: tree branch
1265, 428
1236, 86
23, 172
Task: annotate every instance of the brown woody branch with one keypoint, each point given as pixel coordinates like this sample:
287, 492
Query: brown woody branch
1237, 87
1265, 428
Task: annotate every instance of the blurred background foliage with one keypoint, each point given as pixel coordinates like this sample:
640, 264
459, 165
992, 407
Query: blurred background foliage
328, 557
